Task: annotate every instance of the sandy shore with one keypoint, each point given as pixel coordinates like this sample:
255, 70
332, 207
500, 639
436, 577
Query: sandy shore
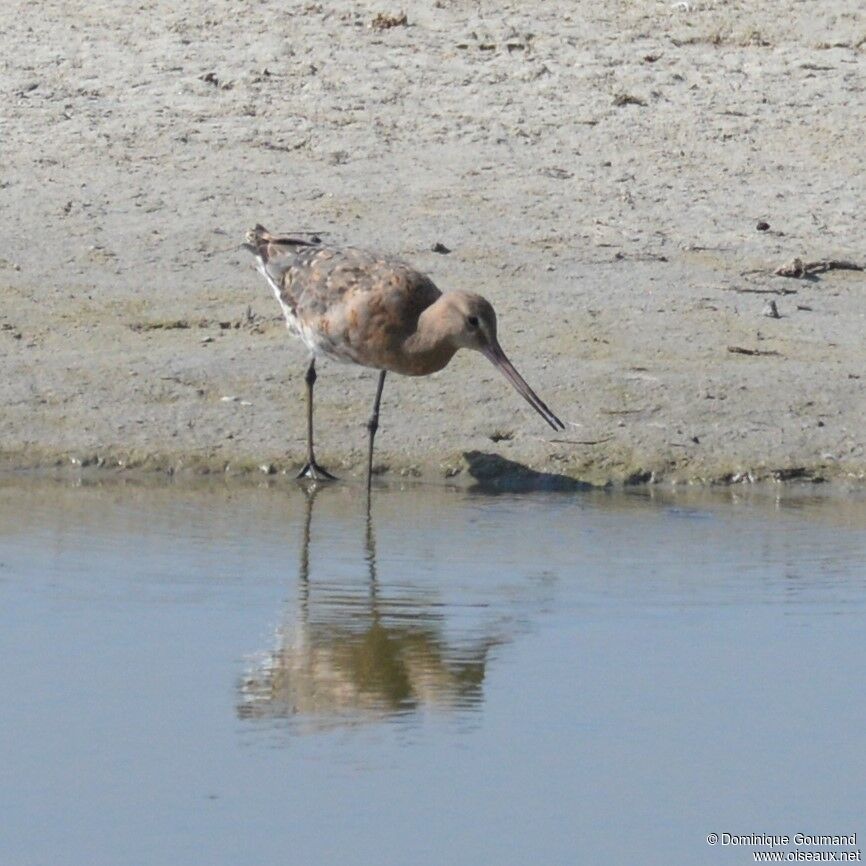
598, 170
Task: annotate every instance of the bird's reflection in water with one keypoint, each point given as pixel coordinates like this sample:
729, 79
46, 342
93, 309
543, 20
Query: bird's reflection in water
360, 652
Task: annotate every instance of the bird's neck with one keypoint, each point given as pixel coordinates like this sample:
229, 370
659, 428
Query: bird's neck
430, 347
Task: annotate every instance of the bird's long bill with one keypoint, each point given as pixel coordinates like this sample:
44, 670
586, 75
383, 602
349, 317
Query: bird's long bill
499, 360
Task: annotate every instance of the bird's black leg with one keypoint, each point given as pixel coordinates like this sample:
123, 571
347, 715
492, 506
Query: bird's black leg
312, 469
373, 426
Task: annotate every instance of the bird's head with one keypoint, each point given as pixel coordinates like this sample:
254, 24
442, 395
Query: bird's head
471, 324
471, 321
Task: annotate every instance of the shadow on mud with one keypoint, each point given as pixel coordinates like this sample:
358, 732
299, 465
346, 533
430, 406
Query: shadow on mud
495, 474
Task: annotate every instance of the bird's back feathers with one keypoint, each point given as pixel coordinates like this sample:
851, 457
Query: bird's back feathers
347, 303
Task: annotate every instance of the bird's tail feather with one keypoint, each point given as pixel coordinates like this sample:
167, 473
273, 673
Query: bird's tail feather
264, 245
275, 254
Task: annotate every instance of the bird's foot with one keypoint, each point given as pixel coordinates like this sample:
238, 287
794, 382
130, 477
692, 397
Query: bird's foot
314, 472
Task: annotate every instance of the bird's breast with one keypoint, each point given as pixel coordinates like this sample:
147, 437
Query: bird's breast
409, 363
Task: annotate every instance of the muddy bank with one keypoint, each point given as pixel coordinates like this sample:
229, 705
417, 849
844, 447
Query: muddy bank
599, 172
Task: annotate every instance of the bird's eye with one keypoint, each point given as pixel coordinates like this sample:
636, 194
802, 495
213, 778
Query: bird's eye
473, 321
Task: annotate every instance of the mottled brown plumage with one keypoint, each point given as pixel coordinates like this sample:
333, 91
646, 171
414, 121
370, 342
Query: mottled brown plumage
364, 308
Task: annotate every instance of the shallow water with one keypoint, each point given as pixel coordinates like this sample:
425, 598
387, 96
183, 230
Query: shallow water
225, 676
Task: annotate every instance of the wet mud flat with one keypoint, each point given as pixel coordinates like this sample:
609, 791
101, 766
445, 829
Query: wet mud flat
632, 185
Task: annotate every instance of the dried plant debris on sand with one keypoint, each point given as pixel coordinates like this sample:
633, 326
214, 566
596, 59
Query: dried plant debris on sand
799, 269
384, 21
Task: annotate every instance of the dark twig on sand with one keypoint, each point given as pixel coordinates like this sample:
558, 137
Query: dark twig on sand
621, 99
761, 291
582, 441
739, 350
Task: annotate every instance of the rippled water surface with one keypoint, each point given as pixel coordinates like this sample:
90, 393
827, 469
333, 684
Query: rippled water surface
243, 676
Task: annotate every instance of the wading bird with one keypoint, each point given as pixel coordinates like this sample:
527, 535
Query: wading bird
364, 308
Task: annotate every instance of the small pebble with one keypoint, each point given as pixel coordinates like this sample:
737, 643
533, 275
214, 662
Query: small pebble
763, 226
771, 311
440, 248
